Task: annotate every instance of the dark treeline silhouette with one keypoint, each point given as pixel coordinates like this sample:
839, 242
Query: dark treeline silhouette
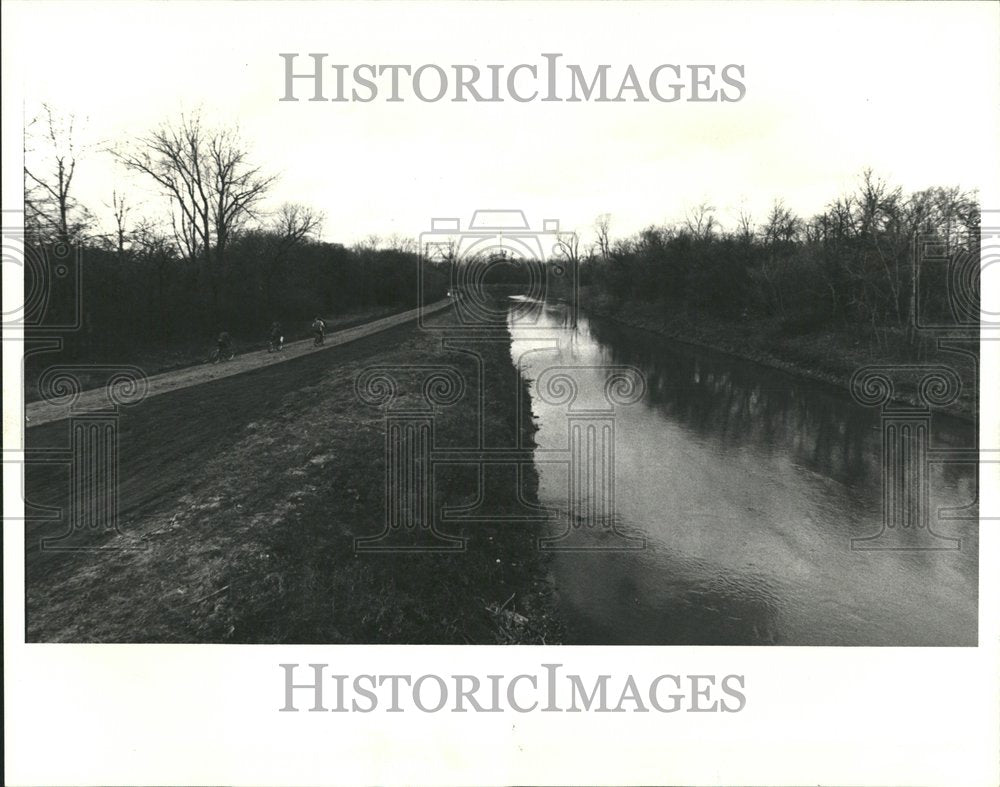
853, 264
151, 293
214, 260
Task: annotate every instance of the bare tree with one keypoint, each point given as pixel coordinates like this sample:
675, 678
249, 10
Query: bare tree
291, 226
876, 267
120, 209
294, 224
155, 246
782, 225
700, 220
53, 153
746, 226
622, 247
780, 231
602, 229
568, 247
402, 243
445, 251
370, 243
207, 175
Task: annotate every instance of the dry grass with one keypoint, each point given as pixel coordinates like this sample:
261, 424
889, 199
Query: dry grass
261, 547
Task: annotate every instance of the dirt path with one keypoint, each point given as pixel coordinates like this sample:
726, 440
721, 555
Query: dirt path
43, 412
239, 501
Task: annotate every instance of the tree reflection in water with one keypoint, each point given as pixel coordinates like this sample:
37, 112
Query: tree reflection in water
748, 484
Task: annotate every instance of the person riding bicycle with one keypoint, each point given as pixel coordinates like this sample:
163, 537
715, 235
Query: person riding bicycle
276, 338
319, 330
223, 348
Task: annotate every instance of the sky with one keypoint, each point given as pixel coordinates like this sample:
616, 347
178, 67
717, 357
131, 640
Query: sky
911, 90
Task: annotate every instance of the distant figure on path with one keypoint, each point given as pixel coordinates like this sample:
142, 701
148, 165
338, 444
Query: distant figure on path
276, 340
319, 331
223, 348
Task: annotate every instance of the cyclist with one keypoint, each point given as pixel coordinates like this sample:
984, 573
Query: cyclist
223, 347
319, 331
277, 341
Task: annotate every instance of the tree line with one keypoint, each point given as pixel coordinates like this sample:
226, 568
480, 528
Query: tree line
215, 259
852, 264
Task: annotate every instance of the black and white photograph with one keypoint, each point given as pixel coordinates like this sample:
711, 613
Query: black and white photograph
543, 325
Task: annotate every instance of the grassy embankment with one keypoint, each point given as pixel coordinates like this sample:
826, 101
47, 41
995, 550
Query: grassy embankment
277, 472
831, 356
173, 354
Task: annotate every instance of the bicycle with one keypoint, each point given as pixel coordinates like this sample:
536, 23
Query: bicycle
276, 345
219, 354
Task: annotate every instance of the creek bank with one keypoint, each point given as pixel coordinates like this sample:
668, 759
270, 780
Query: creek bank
831, 357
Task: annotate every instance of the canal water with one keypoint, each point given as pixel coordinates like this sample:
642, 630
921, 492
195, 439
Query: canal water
706, 500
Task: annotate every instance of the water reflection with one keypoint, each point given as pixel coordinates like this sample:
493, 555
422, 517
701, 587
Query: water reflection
747, 485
